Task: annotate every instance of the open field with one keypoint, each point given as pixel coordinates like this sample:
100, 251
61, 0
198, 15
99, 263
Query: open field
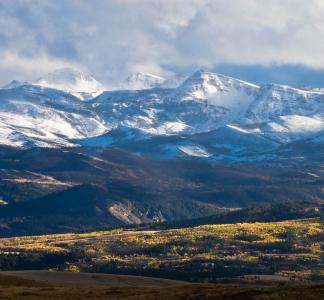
68, 279
288, 250
12, 288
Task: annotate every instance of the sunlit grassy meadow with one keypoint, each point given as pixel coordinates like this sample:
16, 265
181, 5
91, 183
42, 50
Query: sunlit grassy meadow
293, 249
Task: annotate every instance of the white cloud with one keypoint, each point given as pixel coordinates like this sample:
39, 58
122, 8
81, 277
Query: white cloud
114, 37
16, 67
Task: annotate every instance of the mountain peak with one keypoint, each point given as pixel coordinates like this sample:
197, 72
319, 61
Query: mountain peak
65, 75
204, 75
140, 75
200, 73
142, 81
214, 87
13, 84
72, 81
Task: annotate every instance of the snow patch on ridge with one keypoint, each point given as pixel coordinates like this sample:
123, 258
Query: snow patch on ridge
194, 150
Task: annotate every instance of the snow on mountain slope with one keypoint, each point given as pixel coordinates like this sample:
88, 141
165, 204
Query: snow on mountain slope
233, 140
285, 129
194, 150
49, 128
227, 143
142, 81
71, 81
218, 90
296, 126
156, 112
274, 101
34, 116
285, 113
144, 112
208, 115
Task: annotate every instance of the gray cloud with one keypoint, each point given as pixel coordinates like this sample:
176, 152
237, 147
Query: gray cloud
115, 37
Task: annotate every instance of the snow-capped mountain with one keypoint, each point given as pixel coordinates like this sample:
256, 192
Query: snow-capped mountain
142, 81
145, 81
218, 90
207, 85
72, 81
209, 115
36, 116
273, 101
284, 113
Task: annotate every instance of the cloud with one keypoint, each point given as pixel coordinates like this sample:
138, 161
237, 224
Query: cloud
112, 38
24, 67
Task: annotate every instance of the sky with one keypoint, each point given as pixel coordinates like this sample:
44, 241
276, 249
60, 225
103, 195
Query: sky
272, 40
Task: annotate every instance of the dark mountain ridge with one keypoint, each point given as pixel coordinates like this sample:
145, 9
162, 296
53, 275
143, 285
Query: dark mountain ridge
55, 190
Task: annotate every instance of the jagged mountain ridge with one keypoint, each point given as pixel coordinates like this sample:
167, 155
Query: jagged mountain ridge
241, 113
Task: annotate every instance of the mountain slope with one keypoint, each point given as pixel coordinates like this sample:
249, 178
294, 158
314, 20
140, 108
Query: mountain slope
286, 114
273, 101
55, 190
35, 116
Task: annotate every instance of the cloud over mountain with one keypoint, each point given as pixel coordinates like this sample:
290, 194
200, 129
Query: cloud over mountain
114, 38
